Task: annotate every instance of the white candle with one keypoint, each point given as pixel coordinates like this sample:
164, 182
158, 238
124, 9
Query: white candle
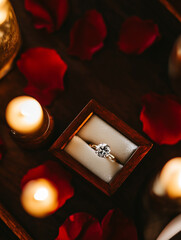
169, 180
24, 115
39, 197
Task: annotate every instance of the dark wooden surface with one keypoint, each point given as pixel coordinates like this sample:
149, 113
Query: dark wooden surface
13, 225
174, 6
115, 80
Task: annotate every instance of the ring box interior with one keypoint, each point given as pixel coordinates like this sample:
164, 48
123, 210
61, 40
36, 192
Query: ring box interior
95, 125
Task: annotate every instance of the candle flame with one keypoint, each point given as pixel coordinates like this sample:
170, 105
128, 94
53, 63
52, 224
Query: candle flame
41, 194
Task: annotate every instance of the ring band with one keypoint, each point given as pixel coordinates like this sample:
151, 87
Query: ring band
103, 150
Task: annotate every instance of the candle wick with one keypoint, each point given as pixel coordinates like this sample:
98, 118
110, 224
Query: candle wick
24, 113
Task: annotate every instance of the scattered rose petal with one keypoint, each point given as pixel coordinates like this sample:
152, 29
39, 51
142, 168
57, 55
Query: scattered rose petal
137, 35
83, 226
44, 70
47, 14
116, 226
87, 35
80, 226
52, 171
161, 118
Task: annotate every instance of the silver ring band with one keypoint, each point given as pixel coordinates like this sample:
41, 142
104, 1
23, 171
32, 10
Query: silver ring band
103, 150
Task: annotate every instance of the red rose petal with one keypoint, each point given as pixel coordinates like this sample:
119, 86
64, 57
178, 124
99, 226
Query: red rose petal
87, 35
44, 70
161, 118
40, 94
116, 226
48, 14
52, 171
137, 35
80, 226
83, 226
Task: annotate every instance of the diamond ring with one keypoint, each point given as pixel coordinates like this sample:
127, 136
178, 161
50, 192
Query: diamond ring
103, 150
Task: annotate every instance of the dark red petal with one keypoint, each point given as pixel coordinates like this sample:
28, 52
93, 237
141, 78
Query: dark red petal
161, 118
48, 14
44, 97
87, 35
44, 70
137, 35
80, 226
116, 226
52, 171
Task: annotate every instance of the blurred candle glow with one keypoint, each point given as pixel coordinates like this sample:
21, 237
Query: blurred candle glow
39, 197
4, 5
24, 115
169, 181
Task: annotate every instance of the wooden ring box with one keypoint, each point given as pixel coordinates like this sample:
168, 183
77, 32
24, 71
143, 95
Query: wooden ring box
143, 146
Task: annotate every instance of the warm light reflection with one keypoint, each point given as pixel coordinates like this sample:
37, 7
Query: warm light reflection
41, 194
4, 6
3, 15
2, 2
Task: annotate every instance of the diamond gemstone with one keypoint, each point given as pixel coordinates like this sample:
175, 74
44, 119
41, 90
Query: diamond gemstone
103, 150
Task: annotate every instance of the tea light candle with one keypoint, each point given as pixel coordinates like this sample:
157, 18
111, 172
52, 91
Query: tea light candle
24, 115
39, 198
169, 180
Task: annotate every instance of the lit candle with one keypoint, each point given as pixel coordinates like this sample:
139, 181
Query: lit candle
39, 197
24, 115
169, 180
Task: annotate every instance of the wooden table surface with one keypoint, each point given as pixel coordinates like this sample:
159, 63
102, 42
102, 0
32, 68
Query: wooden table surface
115, 80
